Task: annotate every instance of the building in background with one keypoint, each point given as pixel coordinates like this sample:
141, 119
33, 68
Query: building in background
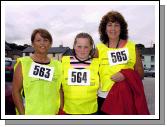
14, 51
54, 52
147, 56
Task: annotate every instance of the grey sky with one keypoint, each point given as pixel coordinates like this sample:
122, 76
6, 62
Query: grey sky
65, 21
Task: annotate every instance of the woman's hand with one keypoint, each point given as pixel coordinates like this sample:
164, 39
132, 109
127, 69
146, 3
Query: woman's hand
118, 77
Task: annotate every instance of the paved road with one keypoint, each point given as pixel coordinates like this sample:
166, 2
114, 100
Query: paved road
149, 88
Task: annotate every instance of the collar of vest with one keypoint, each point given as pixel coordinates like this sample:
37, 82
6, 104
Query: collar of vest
82, 61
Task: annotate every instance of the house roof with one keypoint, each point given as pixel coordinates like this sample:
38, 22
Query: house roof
51, 50
58, 49
148, 51
28, 50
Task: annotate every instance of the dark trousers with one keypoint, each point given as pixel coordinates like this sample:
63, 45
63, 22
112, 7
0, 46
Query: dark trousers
100, 103
96, 113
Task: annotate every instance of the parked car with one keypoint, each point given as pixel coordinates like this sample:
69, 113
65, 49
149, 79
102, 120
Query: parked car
9, 69
149, 73
9, 104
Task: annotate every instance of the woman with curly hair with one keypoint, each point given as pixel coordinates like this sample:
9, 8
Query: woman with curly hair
116, 52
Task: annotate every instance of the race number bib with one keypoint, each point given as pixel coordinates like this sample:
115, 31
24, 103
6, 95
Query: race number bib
79, 77
41, 71
119, 56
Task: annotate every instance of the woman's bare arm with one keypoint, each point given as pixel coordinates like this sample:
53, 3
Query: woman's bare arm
16, 89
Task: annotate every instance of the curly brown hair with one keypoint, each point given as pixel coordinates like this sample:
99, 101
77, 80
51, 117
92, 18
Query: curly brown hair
113, 16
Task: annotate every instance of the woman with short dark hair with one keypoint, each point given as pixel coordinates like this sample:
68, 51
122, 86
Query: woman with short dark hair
39, 77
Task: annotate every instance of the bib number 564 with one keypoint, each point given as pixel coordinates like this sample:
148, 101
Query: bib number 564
79, 77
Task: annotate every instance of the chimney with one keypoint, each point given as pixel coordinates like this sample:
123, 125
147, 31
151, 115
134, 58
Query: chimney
61, 45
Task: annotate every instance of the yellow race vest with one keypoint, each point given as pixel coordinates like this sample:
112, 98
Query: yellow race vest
80, 99
107, 69
42, 97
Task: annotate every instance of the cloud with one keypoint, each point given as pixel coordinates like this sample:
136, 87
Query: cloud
64, 22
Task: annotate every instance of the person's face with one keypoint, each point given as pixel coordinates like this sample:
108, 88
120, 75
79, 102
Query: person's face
82, 48
40, 44
113, 30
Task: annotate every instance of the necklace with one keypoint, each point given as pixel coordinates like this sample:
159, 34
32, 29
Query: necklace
37, 59
116, 45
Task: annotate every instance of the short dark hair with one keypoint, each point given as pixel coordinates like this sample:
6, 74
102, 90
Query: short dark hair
43, 32
113, 16
85, 35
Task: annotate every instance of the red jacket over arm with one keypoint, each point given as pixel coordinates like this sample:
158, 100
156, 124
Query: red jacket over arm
126, 97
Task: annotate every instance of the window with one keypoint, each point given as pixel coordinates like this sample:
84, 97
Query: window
27, 54
152, 67
152, 58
